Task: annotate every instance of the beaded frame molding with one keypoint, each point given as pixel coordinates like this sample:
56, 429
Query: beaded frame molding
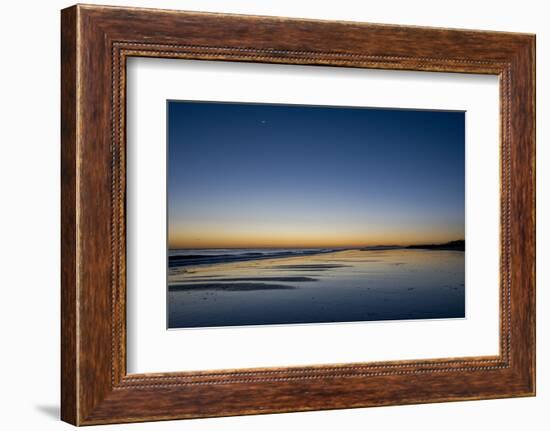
95, 43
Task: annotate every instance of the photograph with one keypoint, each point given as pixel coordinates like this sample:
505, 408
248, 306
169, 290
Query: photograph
284, 214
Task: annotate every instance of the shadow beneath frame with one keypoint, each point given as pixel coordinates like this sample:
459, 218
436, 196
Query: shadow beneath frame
52, 411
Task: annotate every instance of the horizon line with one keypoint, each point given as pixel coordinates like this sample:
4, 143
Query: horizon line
322, 246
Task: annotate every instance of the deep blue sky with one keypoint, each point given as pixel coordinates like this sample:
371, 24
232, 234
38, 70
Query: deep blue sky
253, 175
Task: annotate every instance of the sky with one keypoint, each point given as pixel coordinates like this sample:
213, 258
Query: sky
265, 175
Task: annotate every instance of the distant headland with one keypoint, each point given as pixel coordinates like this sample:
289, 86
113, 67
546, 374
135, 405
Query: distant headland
458, 245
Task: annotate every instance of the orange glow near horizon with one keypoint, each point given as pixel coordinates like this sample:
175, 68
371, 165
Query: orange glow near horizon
287, 237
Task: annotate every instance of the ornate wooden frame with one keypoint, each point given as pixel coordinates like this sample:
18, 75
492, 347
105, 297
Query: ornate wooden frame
95, 43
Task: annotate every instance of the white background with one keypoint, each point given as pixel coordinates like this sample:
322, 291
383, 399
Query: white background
29, 228
151, 348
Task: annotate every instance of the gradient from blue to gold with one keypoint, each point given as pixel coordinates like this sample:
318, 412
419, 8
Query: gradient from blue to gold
259, 175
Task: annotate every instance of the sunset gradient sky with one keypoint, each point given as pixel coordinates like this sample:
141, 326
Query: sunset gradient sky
256, 175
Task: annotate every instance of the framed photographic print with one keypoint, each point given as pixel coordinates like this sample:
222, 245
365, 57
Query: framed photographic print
266, 215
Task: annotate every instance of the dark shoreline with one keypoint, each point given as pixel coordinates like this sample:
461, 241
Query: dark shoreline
198, 259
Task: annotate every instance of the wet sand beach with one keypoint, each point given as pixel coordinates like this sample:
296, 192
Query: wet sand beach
323, 286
